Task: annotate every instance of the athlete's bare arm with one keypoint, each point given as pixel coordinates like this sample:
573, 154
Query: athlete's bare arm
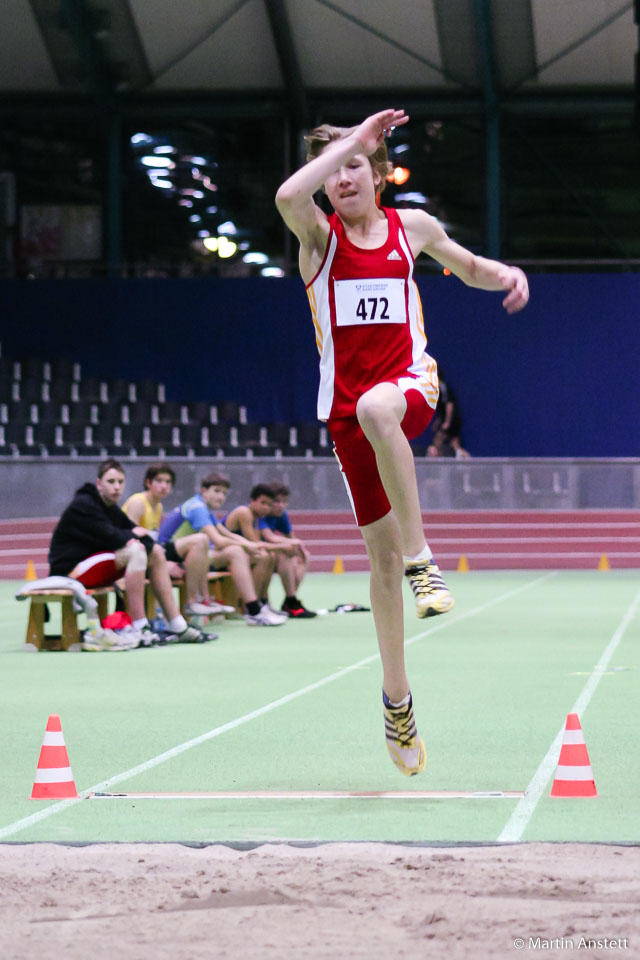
135, 510
424, 233
294, 198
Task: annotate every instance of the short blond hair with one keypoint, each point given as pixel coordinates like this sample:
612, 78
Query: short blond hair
325, 134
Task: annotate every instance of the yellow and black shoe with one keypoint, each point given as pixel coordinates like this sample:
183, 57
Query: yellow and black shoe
406, 748
429, 589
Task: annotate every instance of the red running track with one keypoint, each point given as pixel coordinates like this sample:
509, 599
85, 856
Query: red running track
490, 540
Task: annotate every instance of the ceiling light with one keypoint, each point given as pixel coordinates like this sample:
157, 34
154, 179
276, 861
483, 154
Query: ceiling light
255, 257
211, 243
272, 272
195, 218
157, 162
165, 149
228, 228
226, 248
163, 184
139, 138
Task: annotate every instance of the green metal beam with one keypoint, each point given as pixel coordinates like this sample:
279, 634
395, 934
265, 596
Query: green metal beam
486, 56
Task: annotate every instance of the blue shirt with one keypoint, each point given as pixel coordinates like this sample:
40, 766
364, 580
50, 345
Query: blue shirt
279, 524
194, 511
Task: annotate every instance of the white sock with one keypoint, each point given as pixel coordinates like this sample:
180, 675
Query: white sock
93, 623
142, 622
425, 554
178, 623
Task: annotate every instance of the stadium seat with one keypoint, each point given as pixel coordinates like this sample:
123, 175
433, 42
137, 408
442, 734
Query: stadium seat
52, 412
33, 368
229, 413
279, 437
84, 411
120, 390
50, 436
60, 389
172, 412
142, 413
32, 390
191, 435
149, 390
93, 390
22, 411
114, 412
64, 369
201, 412
9, 388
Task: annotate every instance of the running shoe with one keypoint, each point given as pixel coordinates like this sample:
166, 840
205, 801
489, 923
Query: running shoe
206, 608
96, 639
265, 617
406, 748
191, 635
297, 610
429, 589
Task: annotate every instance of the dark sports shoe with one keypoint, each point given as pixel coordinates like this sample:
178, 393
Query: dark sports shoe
297, 610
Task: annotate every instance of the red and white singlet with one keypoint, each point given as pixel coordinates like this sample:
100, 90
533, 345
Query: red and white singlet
368, 319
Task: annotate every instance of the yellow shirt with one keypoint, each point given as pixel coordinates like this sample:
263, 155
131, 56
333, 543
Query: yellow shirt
151, 516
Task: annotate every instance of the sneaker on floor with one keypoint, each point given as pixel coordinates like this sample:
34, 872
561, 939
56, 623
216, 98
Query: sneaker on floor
297, 610
206, 608
265, 617
429, 589
191, 635
97, 639
406, 748
148, 636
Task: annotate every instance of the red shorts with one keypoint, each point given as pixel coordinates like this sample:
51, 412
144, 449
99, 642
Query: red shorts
357, 461
98, 570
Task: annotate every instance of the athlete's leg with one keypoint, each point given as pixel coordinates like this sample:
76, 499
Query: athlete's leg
236, 560
380, 412
133, 557
263, 570
384, 548
288, 572
161, 583
194, 553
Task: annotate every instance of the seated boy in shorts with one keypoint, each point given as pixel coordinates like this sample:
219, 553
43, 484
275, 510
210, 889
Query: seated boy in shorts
96, 543
230, 550
186, 555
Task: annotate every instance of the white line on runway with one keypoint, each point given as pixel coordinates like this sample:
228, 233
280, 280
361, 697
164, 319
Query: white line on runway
317, 795
34, 818
519, 819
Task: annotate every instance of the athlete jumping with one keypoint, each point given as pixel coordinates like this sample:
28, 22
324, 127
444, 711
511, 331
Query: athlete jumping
378, 387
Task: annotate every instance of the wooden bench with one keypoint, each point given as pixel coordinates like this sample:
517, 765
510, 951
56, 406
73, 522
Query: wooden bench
37, 639
221, 588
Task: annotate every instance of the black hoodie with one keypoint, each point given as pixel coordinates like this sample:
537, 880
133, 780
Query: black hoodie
88, 526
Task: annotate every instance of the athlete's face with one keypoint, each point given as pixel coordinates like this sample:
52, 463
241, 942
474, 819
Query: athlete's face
278, 507
160, 487
261, 506
110, 486
352, 189
214, 496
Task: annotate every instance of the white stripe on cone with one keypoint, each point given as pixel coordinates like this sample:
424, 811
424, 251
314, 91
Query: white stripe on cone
573, 736
53, 775
53, 739
574, 773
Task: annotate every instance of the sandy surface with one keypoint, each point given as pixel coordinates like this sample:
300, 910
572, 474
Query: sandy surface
138, 901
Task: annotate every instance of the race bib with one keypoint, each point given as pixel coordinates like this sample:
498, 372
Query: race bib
370, 301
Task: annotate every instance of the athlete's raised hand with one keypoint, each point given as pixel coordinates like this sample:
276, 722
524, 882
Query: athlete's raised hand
515, 281
375, 128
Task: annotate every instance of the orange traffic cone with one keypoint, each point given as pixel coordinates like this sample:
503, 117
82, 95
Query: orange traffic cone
574, 777
603, 563
463, 564
30, 572
54, 779
338, 566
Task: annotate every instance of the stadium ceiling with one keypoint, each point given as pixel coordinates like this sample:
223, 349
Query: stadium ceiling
305, 58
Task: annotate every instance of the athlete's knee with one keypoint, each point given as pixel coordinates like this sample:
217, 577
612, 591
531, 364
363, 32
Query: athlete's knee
376, 415
133, 556
157, 557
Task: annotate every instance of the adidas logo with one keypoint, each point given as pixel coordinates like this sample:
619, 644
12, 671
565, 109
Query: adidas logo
394, 255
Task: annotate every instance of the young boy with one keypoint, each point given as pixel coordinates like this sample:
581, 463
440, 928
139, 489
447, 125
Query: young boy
190, 553
230, 550
291, 564
378, 387
97, 544
249, 521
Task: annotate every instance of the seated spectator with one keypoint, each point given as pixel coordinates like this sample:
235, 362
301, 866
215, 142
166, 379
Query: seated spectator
292, 564
230, 550
96, 543
248, 520
190, 552
446, 426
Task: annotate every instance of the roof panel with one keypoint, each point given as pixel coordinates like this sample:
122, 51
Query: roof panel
334, 51
607, 58
24, 61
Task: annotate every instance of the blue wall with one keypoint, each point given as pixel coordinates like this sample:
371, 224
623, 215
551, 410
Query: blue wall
561, 378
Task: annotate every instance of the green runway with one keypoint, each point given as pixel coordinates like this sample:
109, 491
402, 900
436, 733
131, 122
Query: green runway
297, 709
